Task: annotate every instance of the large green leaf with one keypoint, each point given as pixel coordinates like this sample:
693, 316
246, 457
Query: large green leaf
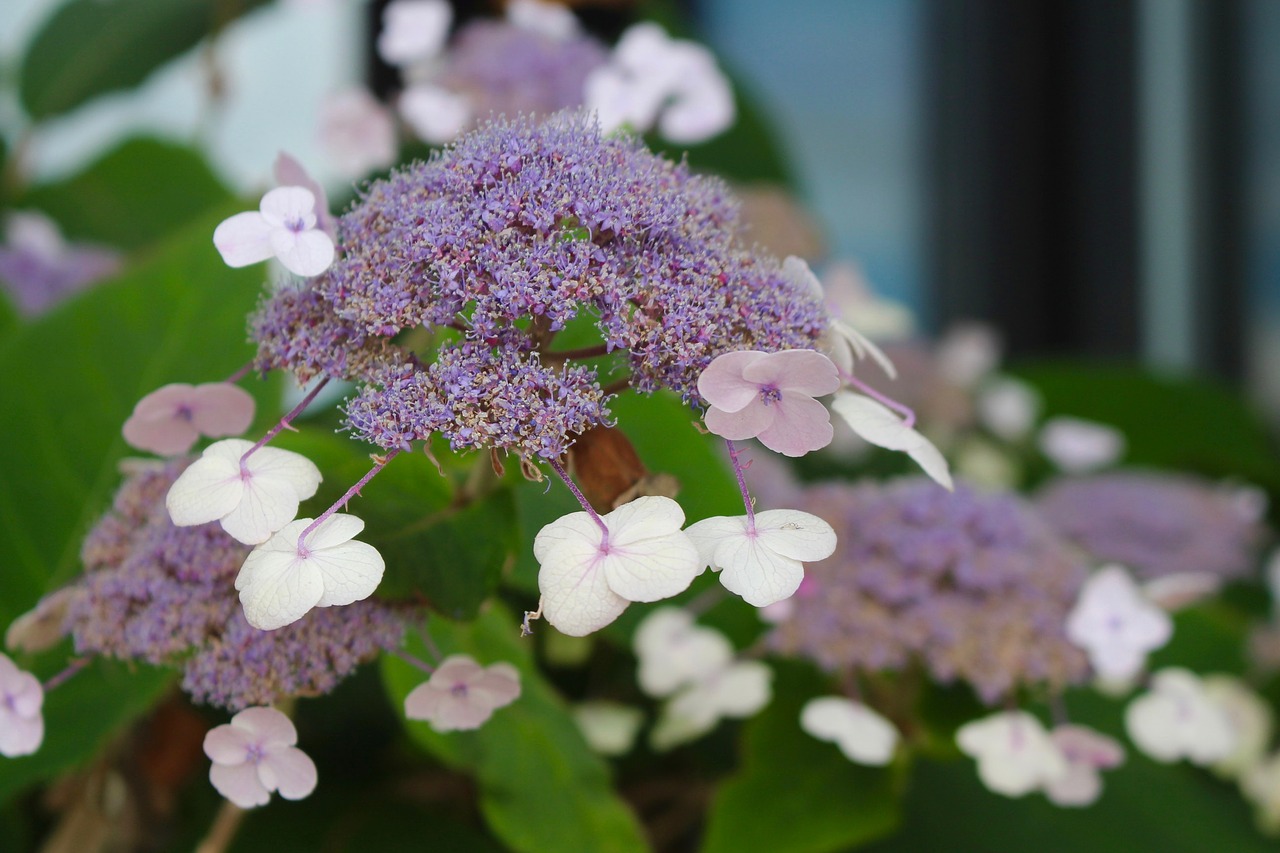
542, 790
87, 47
69, 380
796, 794
80, 717
141, 191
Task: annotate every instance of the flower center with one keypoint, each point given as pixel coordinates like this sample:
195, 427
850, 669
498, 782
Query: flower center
769, 394
255, 753
184, 413
10, 702
459, 690
296, 225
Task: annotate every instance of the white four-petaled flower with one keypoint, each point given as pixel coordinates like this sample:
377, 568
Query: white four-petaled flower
413, 31
863, 736
737, 691
587, 580
284, 578
1078, 446
461, 694
284, 226
436, 114
674, 651
1015, 754
770, 396
357, 132
252, 498
1178, 719
762, 560
170, 419
254, 755
1115, 623
21, 720
881, 427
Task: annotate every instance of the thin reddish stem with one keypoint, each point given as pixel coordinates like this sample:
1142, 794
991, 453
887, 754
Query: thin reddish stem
381, 462
906, 412
239, 374
285, 421
63, 677
738, 470
577, 493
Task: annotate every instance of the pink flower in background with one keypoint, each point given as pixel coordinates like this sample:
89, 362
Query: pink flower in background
254, 755
462, 695
358, 132
170, 419
21, 723
770, 397
284, 227
1086, 752
38, 268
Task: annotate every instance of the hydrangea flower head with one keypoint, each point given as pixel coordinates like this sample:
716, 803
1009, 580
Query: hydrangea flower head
283, 227
770, 396
254, 755
21, 721
1117, 625
461, 694
170, 419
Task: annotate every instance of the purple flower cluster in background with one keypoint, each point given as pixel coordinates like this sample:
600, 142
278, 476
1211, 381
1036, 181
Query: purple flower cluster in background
974, 586
1158, 524
166, 595
507, 237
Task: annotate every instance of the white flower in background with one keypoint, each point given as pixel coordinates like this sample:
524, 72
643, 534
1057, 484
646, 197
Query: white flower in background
434, 113
841, 342
674, 651
553, 20
462, 695
1078, 446
284, 227
863, 736
763, 559
252, 498
651, 77
1260, 785
1086, 752
1178, 719
21, 720
172, 418
254, 755
288, 172
1015, 754
357, 132
587, 580
1250, 719
737, 691
967, 353
284, 578
1008, 408
41, 627
1115, 623
876, 424
609, 728
413, 31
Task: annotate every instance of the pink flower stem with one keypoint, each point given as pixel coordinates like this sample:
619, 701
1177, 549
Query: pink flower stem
577, 493
425, 636
65, 676
416, 662
907, 413
284, 422
239, 374
742, 483
379, 464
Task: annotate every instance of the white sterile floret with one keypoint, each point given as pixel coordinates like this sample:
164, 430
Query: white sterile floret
863, 736
42, 626
737, 691
841, 342
1178, 719
587, 580
462, 695
1250, 719
1115, 623
21, 718
252, 498
762, 561
283, 578
357, 132
1008, 408
673, 651
875, 423
1086, 752
413, 30
553, 20
284, 227
1078, 446
254, 755
1015, 754
610, 728
436, 114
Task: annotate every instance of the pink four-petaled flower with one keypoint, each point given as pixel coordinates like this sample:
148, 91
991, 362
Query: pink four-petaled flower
254, 755
171, 418
770, 396
462, 695
21, 723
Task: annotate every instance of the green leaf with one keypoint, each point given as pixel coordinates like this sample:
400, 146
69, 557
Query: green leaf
87, 48
542, 790
70, 379
81, 716
796, 794
132, 196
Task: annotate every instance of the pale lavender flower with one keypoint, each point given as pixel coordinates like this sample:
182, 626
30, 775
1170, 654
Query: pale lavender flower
21, 722
462, 695
254, 755
39, 269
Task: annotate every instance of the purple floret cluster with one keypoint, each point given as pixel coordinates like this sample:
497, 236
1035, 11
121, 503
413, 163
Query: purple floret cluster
973, 586
1158, 524
166, 595
506, 69
457, 274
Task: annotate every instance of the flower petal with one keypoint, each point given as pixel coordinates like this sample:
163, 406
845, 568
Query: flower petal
239, 783
745, 423
652, 569
800, 424
722, 383
881, 427
795, 534
861, 734
227, 745
306, 253
576, 596
209, 489
288, 770
292, 208
267, 725
351, 572
803, 371
244, 239
277, 589
266, 505
222, 409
